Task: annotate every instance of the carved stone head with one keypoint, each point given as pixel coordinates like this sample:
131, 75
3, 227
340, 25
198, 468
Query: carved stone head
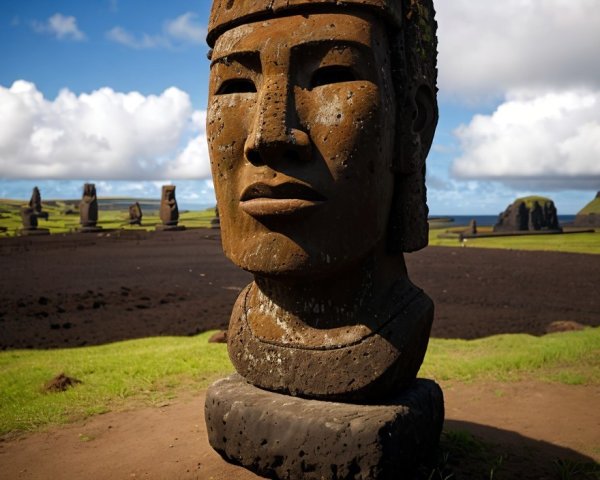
320, 116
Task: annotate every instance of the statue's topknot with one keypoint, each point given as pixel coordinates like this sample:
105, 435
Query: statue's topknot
227, 14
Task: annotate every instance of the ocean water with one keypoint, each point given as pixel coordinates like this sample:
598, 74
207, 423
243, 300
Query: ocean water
489, 220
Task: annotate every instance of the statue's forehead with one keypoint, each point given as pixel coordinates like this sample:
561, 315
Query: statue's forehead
296, 30
226, 14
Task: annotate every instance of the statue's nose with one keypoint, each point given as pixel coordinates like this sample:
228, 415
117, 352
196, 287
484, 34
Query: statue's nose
275, 135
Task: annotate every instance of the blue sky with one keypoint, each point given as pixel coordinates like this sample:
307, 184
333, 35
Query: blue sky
114, 92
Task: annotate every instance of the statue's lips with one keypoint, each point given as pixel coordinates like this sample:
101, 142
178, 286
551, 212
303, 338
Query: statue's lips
261, 199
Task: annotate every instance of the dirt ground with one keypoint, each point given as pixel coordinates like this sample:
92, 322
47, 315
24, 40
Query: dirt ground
68, 291
85, 289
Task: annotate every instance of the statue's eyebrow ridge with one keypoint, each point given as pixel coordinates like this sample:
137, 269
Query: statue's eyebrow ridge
332, 42
239, 55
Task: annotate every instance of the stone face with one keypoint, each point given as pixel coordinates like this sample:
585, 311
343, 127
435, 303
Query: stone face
528, 214
88, 207
169, 213
284, 437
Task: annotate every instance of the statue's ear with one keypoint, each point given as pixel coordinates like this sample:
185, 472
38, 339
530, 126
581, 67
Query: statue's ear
425, 116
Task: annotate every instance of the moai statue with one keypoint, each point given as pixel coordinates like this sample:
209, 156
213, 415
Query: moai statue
320, 117
31, 214
135, 214
215, 222
36, 204
88, 209
472, 227
169, 213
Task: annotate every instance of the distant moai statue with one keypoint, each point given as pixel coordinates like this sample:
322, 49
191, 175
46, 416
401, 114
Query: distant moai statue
169, 212
31, 213
216, 220
473, 227
88, 209
135, 214
36, 204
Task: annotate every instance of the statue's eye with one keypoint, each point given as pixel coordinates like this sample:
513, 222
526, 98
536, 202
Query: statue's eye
237, 85
333, 74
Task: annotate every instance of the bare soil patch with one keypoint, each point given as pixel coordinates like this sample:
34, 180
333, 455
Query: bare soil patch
89, 289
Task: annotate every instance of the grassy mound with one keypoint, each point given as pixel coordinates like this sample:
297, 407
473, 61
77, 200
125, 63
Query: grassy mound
591, 208
529, 201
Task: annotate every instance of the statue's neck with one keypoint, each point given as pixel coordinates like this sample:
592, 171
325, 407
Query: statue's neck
350, 304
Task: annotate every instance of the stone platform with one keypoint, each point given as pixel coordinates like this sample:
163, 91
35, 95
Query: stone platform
285, 437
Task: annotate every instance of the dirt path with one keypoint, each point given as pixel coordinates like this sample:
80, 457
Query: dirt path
534, 423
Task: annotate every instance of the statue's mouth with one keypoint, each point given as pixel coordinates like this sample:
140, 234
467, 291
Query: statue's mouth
263, 200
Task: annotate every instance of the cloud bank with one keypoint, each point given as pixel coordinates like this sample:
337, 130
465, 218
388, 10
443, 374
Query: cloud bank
487, 48
549, 140
103, 135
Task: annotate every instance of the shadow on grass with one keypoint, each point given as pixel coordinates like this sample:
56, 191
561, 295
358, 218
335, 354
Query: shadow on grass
474, 451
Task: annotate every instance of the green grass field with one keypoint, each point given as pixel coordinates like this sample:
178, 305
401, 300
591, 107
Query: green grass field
573, 242
109, 216
149, 371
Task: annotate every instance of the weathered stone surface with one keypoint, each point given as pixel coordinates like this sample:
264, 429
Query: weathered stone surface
169, 212
304, 203
284, 437
361, 364
529, 213
320, 117
88, 208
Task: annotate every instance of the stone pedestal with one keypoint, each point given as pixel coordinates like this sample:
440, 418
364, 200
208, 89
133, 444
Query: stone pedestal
285, 437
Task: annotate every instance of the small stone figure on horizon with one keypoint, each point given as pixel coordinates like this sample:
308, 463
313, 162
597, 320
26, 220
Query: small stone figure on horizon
215, 222
88, 209
31, 214
36, 204
169, 212
320, 117
473, 227
135, 214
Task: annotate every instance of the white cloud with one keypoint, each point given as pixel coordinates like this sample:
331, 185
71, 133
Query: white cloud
547, 140
103, 135
61, 26
182, 30
488, 47
186, 28
122, 36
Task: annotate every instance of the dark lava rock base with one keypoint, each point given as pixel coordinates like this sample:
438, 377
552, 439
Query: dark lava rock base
285, 437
